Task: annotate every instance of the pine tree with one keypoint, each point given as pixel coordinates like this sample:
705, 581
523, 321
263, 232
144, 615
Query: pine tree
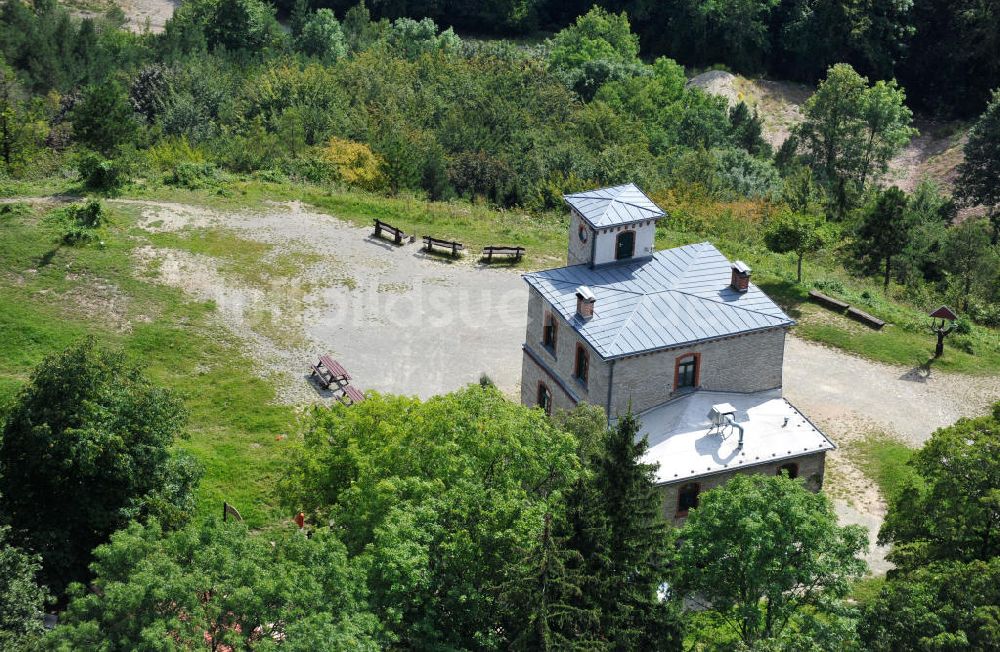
547, 599
639, 545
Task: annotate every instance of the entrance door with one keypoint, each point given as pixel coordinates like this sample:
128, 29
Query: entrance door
625, 245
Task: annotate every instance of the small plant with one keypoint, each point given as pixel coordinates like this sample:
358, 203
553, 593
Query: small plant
83, 221
485, 381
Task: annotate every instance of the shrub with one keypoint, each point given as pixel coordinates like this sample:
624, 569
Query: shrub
99, 173
83, 220
193, 175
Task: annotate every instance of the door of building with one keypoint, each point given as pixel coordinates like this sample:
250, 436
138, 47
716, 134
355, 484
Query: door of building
625, 245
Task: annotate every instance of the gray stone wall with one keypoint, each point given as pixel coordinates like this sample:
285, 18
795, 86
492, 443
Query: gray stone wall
746, 363
579, 252
811, 469
561, 361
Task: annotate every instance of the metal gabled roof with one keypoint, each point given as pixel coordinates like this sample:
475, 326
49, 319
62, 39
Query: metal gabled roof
614, 206
679, 296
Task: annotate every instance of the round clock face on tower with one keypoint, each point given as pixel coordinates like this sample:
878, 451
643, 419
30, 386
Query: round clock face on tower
583, 233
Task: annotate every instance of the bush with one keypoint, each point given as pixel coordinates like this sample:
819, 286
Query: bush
193, 175
99, 173
83, 220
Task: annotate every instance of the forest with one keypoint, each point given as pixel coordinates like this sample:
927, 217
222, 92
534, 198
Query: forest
465, 521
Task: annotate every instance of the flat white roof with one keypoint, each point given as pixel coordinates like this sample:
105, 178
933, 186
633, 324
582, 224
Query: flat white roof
685, 443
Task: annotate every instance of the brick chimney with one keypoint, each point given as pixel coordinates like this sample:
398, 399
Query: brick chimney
585, 301
741, 276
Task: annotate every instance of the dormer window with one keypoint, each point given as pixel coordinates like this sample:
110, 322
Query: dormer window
625, 245
549, 333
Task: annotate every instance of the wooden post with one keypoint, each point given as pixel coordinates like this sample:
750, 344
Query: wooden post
225, 512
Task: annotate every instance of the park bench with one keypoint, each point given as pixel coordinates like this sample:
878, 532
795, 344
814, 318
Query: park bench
865, 318
397, 235
430, 242
328, 371
512, 252
828, 301
351, 395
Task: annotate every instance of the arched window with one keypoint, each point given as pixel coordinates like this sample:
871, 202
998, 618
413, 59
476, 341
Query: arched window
687, 498
686, 371
549, 332
625, 245
791, 469
581, 367
545, 398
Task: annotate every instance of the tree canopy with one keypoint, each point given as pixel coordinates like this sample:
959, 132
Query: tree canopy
768, 556
86, 447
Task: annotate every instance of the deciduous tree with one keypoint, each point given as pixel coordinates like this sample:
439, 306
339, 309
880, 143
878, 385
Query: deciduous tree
86, 447
798, 233
21, 598
764, 553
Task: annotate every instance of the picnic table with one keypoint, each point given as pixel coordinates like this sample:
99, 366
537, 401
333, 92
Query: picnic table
329, 372
430, 242
513, 252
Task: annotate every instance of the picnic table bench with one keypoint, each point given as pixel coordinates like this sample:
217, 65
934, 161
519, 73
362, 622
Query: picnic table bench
514, 252
397, 234
455, 247
329, 371
865, 318
351, 395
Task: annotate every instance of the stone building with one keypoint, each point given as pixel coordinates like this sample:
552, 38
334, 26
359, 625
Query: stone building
682, 336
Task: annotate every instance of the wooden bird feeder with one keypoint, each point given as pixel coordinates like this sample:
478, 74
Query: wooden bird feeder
944, 314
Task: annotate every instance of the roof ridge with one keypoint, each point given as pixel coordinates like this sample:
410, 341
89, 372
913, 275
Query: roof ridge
604, 287
625, 323
728, 305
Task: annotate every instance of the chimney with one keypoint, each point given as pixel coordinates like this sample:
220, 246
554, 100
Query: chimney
741, 276
585, 301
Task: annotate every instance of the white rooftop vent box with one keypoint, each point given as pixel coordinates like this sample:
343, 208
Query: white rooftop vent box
720, 411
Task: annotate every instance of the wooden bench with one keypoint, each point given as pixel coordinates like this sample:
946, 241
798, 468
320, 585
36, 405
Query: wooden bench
828, 301
430, 242
865, 318
513, 252
329, 372
397, 234
351, 395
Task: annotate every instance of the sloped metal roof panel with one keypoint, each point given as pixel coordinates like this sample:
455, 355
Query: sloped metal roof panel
614, 206
679, 296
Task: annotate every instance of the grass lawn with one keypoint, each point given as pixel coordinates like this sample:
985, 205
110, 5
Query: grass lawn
53, 294
883, 459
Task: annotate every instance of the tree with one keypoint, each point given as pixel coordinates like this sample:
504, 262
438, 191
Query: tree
322, 37
440, 500
21, 598
543, 602
942, 606
747, 129
968, 257
218, 585
85, 448
979, 173
851, 131
597, 35
626, 543
104, 119
885, 230
798, 233
950, 510
240, 25
738, 30
763, 553
943, 527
